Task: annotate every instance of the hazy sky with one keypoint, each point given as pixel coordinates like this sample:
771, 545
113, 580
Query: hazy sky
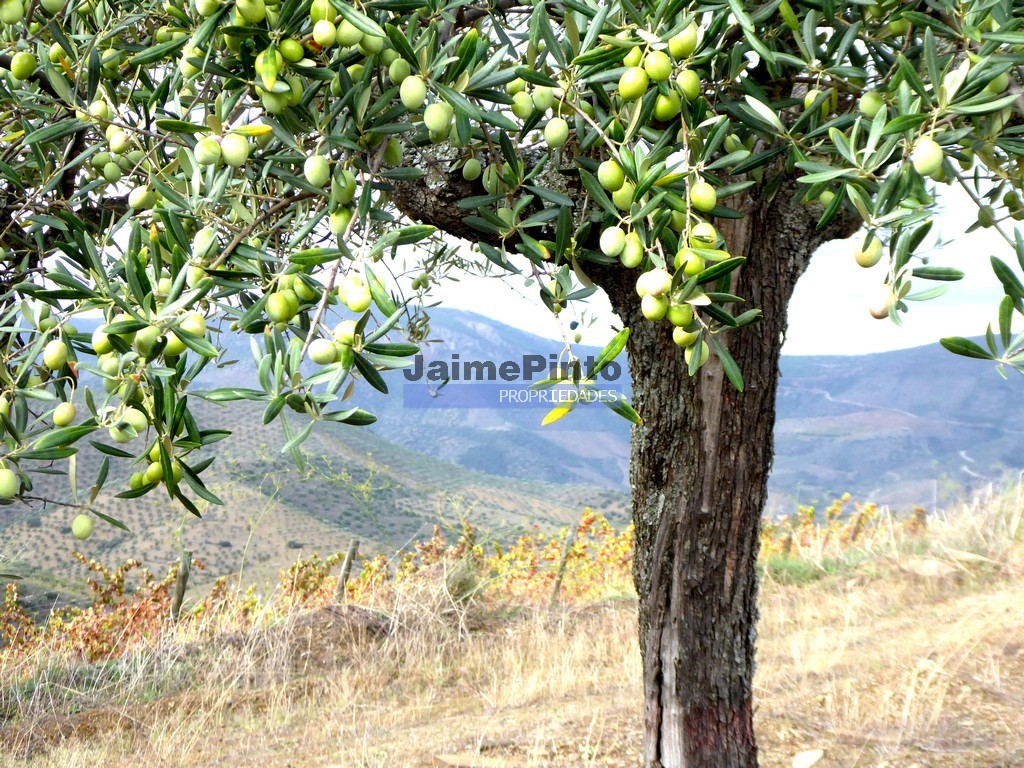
828, 313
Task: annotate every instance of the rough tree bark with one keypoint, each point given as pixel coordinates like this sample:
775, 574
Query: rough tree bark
699, 474
699, 471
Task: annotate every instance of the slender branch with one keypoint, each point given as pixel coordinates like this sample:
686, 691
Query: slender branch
243, 233
980, 203
469, 15
321, 307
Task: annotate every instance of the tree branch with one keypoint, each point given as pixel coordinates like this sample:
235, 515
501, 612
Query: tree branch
434, 197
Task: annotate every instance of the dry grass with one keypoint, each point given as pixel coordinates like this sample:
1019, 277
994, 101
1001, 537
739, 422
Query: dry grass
908, 655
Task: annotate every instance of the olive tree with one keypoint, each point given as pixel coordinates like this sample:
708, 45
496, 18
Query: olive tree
300, 172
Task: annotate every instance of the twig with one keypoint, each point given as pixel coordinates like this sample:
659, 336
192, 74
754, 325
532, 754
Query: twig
277, 207
346, 568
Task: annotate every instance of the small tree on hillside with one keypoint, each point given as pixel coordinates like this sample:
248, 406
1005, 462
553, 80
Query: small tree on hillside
192, 171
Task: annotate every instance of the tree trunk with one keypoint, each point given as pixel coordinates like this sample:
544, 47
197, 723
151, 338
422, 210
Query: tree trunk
699, 474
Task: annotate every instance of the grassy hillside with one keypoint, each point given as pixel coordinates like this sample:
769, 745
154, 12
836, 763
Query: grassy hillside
356, 485
902, 648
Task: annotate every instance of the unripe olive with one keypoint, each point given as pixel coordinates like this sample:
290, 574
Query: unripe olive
680, 315
370, 45
141, 198
112, 173
623, 197
438, 116
556, 132
703, 196
323, 352
204, 243
146, 339
613, 240
325, 33
322, 9
522, 105
63, 414
667, 106
683, 44
279, 308
317, 170
55, 354
234, 150
398, 70
543, 98
253, 11
703, 235
413, 92
871, 103
633, 84
654, 307
689, 262
632, 254
927, 156
349, 34
274, 103
869, 252
119, 142
393, 153
705, 353
658, 66
339, 221
23, 64
9, 484
207, 151
689, 84
610, 175
345, 332
100, 343
291, 50
82, 527
207, 7
194, 323
683, 337
471, 169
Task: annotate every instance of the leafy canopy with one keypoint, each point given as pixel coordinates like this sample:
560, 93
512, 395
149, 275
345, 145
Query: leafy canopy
287, 170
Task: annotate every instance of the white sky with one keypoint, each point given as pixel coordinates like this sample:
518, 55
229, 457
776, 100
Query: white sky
828, 313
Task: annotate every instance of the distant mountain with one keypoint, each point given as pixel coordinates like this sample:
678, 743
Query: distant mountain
492, 426
897, 427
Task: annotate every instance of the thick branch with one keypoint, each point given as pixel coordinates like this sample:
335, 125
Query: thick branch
95, 216
434, 197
